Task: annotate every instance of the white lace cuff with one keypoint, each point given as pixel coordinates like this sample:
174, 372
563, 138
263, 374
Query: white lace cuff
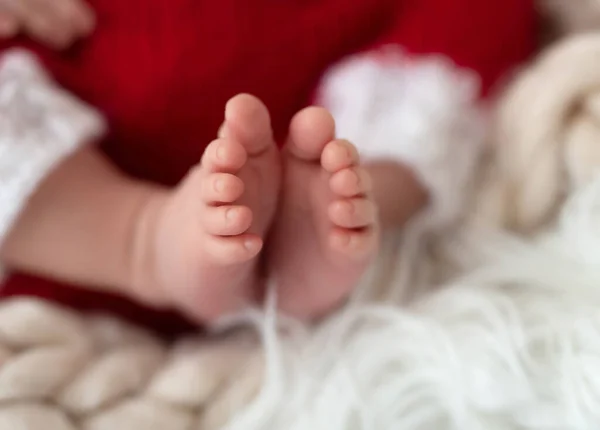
40, 125
421, 111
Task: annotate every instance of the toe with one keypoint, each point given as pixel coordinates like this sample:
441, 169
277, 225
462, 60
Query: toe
351, 182
247, 120
352, 213
234, 249
227, 220
310, 131
356, 245
222, 188
224, 155
338, 155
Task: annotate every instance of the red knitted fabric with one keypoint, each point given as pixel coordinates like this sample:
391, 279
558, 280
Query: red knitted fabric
162, 70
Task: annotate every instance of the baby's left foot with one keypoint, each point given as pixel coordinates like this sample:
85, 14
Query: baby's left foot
327, 231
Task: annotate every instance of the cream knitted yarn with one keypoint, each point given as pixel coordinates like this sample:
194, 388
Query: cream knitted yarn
569, 16
62, 371
547, 141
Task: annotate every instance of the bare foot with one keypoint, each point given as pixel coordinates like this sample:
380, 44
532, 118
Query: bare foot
326, 232
207, 235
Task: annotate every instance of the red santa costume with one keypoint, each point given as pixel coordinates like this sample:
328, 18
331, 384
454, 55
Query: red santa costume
405, 79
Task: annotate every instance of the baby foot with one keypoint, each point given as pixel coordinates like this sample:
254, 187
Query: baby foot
326, 232
209, 232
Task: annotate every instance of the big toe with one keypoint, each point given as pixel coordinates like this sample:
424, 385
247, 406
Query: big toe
310, 131
247, 120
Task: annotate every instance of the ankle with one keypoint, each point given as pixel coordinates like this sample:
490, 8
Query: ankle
141, 267
395, 179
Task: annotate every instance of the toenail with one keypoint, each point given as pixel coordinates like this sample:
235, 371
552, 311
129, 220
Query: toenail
348, 153
346, 150
353, 154
250, 245
230, 214
219, 185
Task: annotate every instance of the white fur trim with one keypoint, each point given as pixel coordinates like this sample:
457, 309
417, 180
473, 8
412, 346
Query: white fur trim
423, 112
40, 125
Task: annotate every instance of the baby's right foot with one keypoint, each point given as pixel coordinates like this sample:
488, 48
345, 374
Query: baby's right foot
204, 238
327, 230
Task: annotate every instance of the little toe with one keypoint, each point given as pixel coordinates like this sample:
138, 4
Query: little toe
351, 182
338, 155
234, 249
222, 188
224, 155
353, 213
354, 244
227, 220
310, 131
247, 120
